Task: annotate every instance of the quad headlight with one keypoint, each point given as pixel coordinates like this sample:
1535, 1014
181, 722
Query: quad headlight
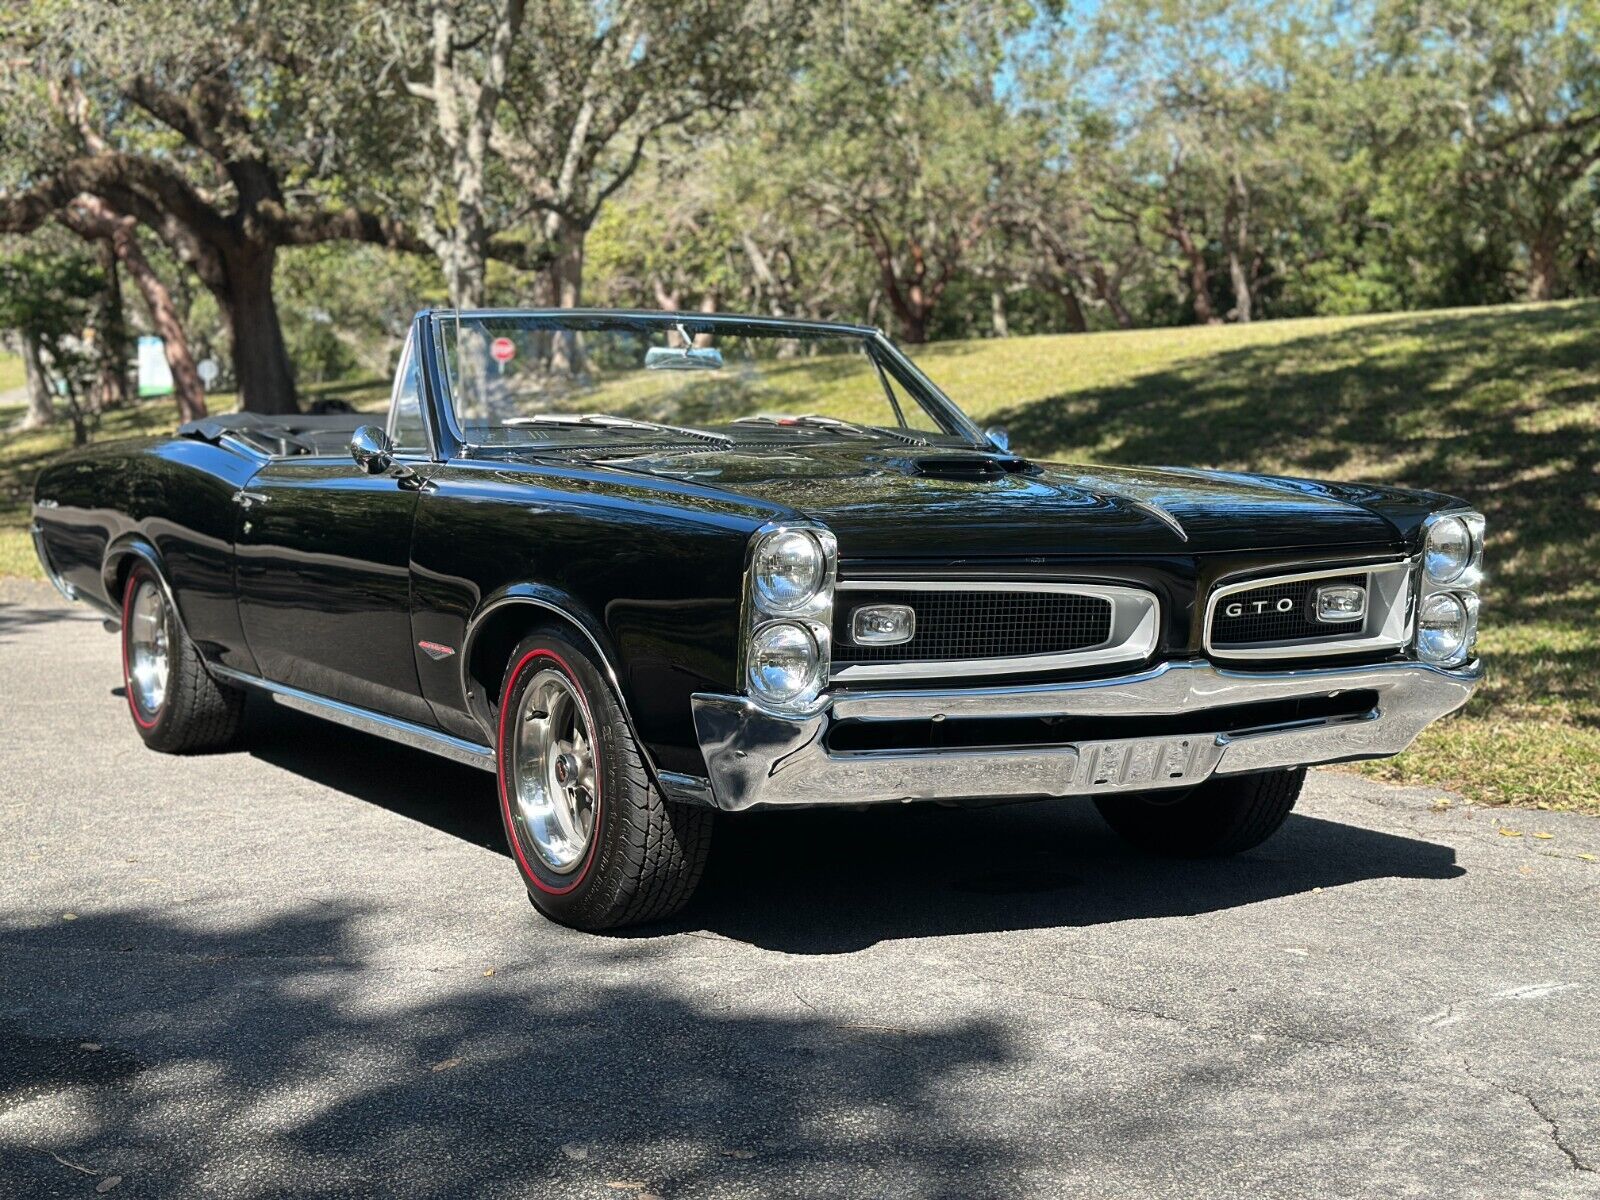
1448, 549
789, 616
783, 665
1452, 570
788, 570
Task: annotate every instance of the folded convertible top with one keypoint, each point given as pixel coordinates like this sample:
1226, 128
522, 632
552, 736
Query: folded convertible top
283, 435
209, 429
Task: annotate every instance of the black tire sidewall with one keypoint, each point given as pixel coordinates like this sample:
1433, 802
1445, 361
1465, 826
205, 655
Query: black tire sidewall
562, 896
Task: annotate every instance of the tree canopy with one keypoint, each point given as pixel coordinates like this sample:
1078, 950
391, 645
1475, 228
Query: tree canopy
946, 167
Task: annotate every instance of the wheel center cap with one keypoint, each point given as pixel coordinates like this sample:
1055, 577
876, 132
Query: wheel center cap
566, 769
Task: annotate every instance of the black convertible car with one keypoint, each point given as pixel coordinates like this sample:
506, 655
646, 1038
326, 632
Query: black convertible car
649, 566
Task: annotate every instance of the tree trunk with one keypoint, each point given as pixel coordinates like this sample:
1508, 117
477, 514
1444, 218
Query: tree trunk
1199, 273
1109, 288
1242, 303
260, 358
41, 403
461, 255
998, 324
188, 388
914, 325
1236, 232
92, 217
1544, 266
1077, 322
110, 336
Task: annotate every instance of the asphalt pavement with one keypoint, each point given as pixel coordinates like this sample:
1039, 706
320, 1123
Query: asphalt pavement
309, 968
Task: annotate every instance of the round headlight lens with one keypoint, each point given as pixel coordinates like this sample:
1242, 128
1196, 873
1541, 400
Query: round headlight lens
789, 571
1449, 549
783, 663
1443, 629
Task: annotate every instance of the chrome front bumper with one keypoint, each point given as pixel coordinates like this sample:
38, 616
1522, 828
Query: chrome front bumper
756, 758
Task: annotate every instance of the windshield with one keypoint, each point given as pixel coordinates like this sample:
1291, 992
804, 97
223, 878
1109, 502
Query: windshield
610, 379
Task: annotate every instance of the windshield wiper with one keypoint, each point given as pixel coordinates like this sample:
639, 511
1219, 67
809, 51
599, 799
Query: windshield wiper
606, 421
817, 421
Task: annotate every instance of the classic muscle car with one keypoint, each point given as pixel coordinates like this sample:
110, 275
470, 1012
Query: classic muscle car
650, 567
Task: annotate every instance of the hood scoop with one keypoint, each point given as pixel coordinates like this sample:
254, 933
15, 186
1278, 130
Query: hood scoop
970, 466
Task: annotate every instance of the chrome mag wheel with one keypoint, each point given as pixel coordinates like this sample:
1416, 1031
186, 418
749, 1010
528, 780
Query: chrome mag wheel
554, 772
149, 647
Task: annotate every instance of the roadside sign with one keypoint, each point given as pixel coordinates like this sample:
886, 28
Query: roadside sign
503, 350
209, 371
155, 376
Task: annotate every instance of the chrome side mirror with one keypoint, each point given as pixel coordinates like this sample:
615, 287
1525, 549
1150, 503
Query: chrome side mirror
372, 449
998, 438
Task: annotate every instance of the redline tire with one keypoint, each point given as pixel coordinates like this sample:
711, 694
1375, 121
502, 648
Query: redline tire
194, 714
644, 855
1225, 815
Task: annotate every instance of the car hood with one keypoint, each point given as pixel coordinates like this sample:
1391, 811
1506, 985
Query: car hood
909, 502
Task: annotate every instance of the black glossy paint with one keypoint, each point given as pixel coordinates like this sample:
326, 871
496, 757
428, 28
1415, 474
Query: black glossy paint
339, 575
323, 529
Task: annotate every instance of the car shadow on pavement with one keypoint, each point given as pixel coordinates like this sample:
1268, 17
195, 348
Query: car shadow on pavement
824, 882
833, 882
284, 1056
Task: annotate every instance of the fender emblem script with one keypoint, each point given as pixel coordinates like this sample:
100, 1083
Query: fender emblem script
436, 650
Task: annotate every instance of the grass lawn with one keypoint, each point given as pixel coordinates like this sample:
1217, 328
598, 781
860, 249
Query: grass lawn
1500, 406
11, 373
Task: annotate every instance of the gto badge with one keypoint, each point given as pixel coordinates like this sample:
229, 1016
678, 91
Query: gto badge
1257, 607
436, 650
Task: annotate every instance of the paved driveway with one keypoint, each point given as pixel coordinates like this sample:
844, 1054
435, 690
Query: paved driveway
310, 968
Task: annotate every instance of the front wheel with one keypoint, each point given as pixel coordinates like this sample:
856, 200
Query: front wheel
597, 844
1224, 815
177, 706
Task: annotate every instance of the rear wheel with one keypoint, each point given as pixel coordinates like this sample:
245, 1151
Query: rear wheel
1222, 816
177, 706
597, 844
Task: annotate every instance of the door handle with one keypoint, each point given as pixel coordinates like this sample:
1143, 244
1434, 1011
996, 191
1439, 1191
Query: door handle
249, 498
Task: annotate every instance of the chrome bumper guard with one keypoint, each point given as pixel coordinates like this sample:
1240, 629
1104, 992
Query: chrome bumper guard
760, 759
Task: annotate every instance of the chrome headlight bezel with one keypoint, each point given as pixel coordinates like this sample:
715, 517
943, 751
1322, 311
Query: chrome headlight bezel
813, 613
1459, 585
768, 585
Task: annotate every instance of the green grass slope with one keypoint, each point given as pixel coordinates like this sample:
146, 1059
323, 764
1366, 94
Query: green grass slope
1501, 406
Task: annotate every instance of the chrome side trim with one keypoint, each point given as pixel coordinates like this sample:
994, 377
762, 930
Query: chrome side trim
760, 759
1135, 626
419, 737
1387, 625
61, 585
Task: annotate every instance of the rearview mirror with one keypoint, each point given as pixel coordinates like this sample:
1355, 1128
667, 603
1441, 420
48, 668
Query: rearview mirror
371, 449
672, 358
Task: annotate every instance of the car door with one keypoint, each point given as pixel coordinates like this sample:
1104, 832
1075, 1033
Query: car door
324, 575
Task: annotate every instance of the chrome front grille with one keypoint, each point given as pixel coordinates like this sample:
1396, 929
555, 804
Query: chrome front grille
1262, 615
972, 628
1272, 617
957, 625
